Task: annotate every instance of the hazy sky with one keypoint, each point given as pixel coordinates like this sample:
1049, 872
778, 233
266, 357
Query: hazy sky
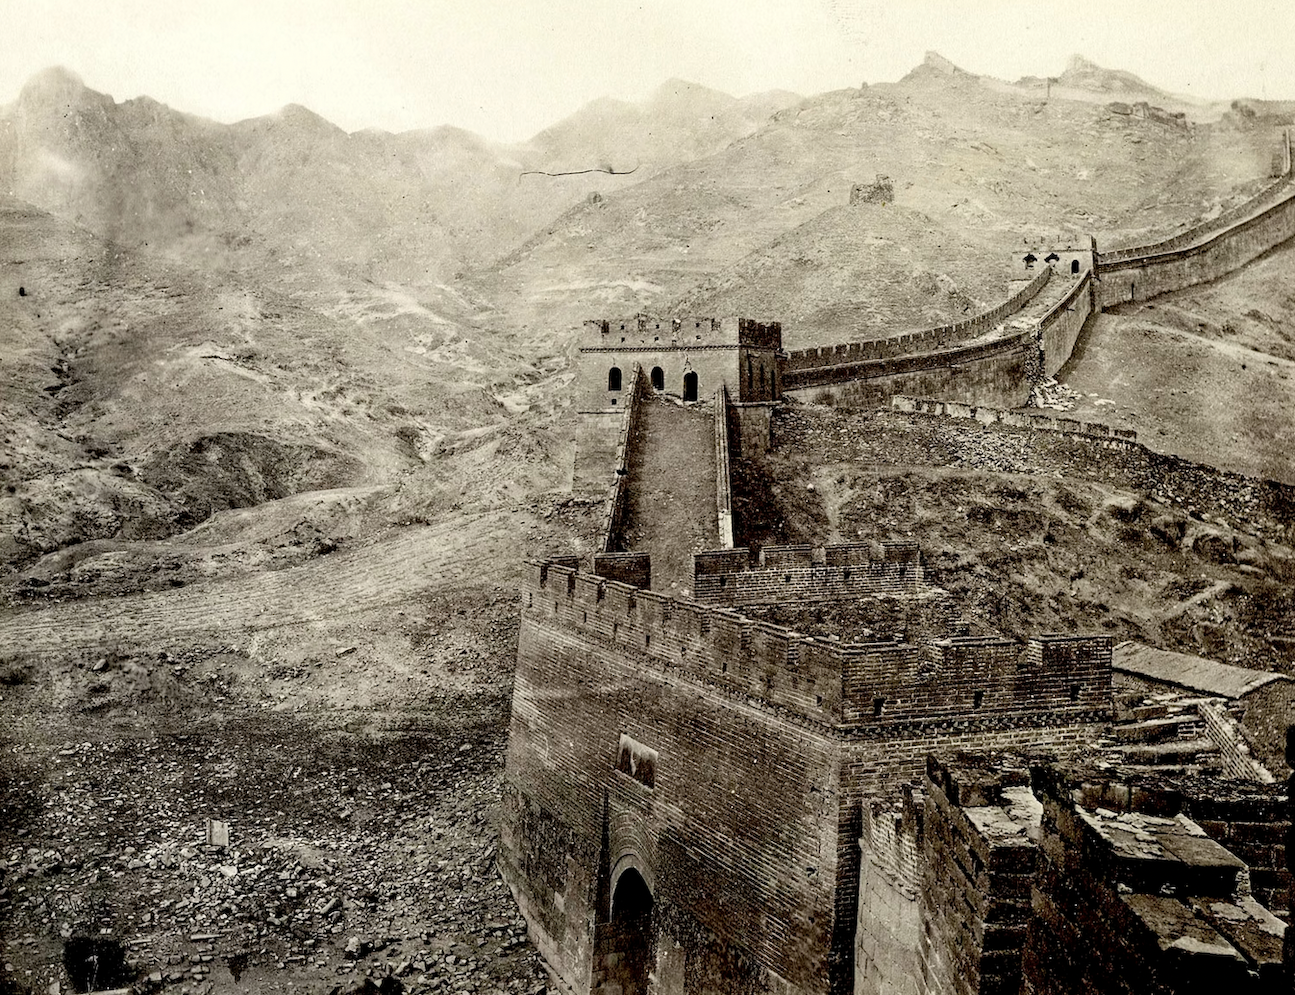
507, 68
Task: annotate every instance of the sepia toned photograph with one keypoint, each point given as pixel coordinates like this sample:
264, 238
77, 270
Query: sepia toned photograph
647, 497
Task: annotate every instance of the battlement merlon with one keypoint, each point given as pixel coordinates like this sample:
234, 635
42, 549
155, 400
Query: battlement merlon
683, 332
867, 688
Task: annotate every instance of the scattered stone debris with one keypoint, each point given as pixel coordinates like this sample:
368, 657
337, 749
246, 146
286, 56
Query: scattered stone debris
1050, 393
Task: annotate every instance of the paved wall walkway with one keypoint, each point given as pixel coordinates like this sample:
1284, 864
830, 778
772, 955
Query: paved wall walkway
672, 495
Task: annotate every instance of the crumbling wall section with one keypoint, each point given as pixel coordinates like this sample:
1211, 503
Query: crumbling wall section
1253, 821
1133, 896
1016, 419
979, 862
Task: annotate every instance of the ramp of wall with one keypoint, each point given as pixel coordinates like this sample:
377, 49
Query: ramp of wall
912, 343
1272, 194
1060, 326
1162, 272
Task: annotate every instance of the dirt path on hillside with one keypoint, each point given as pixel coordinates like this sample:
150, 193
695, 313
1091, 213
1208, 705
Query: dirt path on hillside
414, 561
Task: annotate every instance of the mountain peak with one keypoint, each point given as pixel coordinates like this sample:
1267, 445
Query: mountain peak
1088, 75
58, 86
937, 62
298, 116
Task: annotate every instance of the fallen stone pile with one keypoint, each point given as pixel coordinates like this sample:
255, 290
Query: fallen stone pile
1051, 393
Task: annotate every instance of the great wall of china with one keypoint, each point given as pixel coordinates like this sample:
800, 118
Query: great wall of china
699, 797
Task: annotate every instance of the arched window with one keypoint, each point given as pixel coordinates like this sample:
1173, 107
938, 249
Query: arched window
614, 378
690, 386
658, 378
1074, 267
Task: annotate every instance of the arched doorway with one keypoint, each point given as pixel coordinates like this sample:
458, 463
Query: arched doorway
658, 378
614, 378
632, 932
690, 386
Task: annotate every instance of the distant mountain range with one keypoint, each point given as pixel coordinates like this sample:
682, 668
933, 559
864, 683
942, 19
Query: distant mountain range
292, 191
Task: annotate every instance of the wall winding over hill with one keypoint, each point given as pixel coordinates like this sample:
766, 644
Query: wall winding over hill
958, 362
1199, 256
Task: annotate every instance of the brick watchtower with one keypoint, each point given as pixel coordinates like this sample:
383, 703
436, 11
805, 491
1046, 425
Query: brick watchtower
689, 358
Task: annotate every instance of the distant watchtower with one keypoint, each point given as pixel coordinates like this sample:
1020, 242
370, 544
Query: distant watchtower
689, 358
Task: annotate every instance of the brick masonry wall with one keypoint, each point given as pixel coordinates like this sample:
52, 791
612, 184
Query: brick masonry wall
885, 954
618, 477
1234, 751
596, 439
911, 343
981, 681
1253, 821
805, 573
1272, 194
1060, 327
751, 428
738, 832
975, 895
1267, 711
1163, 270
998, 373
723, 483
767, 743
1015, 419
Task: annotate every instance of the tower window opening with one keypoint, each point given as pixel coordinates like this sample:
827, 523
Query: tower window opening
614, 378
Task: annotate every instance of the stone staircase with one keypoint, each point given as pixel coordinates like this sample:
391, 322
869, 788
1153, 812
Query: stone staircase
1162, 732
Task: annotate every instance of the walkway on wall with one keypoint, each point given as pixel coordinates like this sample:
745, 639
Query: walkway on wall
672, 496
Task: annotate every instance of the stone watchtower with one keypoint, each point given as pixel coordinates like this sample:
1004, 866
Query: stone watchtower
689, 358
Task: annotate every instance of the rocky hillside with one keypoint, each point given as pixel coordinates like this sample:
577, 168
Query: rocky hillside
313, 335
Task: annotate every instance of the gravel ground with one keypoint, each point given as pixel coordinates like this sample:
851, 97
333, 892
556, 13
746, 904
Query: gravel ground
359, 847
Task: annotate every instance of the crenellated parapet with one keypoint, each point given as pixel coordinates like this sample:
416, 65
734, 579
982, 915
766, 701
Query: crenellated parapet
805, 573
869, 687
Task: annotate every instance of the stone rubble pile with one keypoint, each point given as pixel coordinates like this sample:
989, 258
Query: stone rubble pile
347, 876
1051, 393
